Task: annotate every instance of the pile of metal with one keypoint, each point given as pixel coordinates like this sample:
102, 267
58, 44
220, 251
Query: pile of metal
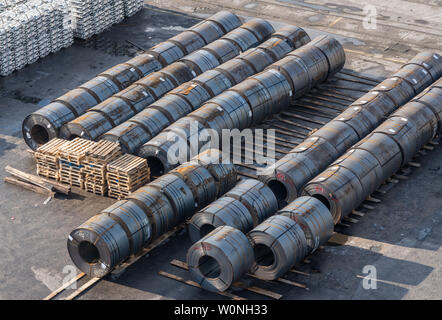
44, 124
32, 30
361, 170
91, 17
250, 101
122, 230
132, 6
9, 4
288, 175
268, 251
144, 92
140, 129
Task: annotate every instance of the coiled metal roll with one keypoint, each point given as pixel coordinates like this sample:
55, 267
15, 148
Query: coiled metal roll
431, 98
260, 57
364, 166
166, 52
134, 221
313, 217
339, 134
242, 38
220, 258
431, 61
257, 97
193, 92
188, 41
129, 135
157, 208
262, 29
226, 20
257, 197
123, 74
223, 50
236, 107
178, 193
236, 70
279, 88
201, 61
208, 30
397, 90
225, 211
338, 188
87, 126
333, 50
417, 76
178, 72
172, 106
385, 150
278, 244
137, 96
199, 180
293, 34
315, 61
98, 245
221, 169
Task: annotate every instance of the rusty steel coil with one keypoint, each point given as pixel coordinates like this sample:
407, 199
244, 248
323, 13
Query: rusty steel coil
313, 217
278, 244
44, 124
220, 167
220, 258
257, 197
225, 211
199, 180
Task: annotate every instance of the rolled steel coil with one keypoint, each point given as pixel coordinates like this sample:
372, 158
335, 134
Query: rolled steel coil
220, 258
44, 124
278, 244
287, 176
199, 180
157, 208
257, 197
225, 211
313, 217
353, 177
98, 245
431, 98
222, 170
178, 193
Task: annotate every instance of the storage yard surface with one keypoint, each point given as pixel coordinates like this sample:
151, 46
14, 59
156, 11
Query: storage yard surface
401, 237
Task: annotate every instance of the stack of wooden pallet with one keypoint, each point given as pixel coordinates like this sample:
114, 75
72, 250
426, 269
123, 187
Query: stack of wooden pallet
71, 156
46, 156
94, 165
125, 175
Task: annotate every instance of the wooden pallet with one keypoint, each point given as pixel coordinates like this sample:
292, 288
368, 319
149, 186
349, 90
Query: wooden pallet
46, 157
125, 175
75, 151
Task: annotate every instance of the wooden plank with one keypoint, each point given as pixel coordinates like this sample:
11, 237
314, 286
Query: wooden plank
292, 283
29, 186
196, 285
55, 293
84, 287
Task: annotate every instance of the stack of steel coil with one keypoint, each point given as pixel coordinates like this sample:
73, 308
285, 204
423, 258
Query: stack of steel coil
245, 206
250, 101
121, 230
276, 244
138, 130
353, 177
288, 175
122, 106
44, 124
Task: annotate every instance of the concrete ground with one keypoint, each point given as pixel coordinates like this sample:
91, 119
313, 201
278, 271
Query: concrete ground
401, 237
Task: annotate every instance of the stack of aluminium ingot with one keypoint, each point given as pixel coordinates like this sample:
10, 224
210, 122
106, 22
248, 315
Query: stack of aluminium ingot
189, 96
44, 124
129, 225
144, 92
94, 166
71, 157
288, 175
126, 174
245, 206
347, 182
46, 157
132, 6
249, 101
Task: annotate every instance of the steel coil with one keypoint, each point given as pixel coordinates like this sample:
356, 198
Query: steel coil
431, 61
208, 30
178, 72
221, 169
236, 70
333, 50
278, 244
129, 135
225, 211
199, 180
431, 98
259, 58
397, 90
166, 52
172, 106
98, 245
339, 134
315, 61
220, 258
193, 92
188, 41
123, 74
257, 197
178, 193
236, 107
226, 20
242, 38
87, 126
262, 29
360, 119
338, 189
279, 88
223, 50
417, 76
137, 96
134, 222
296, 36
157, 208
313, 217
200, 61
